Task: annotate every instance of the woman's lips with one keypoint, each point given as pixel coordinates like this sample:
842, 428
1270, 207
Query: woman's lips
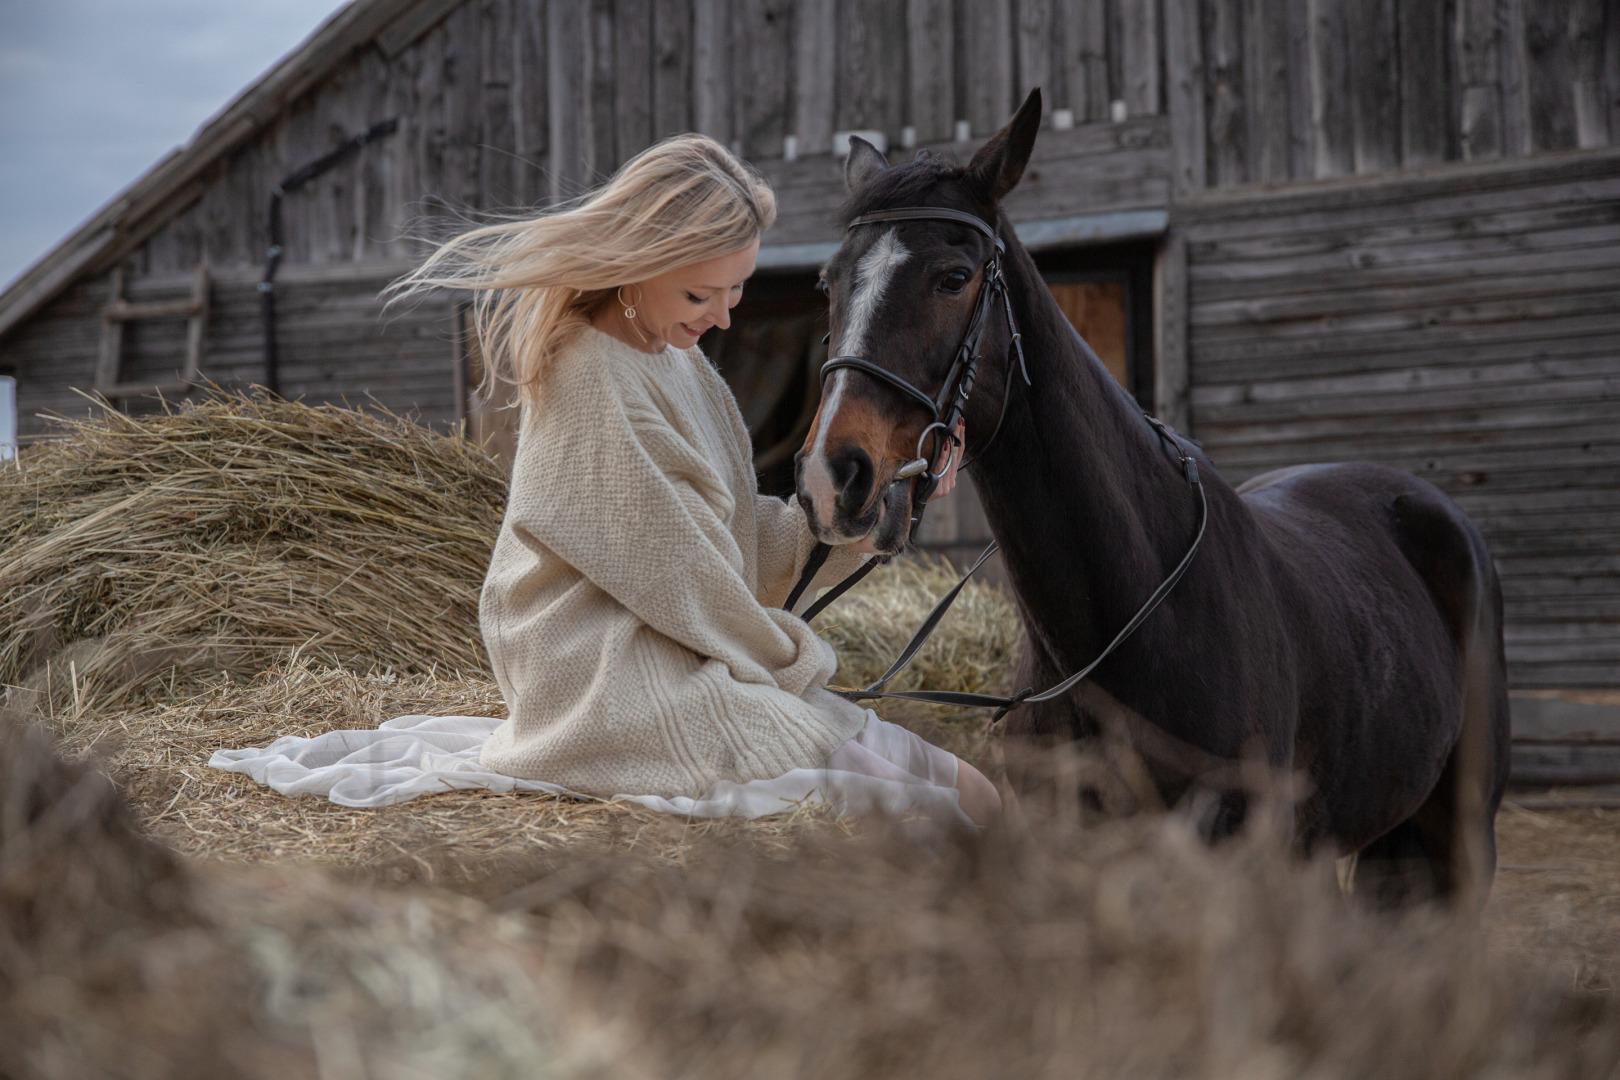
692, 330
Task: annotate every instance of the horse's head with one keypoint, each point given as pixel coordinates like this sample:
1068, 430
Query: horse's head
902, 294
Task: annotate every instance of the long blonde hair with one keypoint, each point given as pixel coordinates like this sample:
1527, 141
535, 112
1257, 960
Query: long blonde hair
537, 280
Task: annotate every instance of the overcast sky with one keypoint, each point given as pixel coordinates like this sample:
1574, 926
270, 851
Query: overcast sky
94, 92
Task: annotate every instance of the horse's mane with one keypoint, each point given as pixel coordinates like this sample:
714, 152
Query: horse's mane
901, 185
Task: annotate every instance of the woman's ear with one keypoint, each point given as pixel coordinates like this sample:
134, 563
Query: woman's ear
863, 163
999, 164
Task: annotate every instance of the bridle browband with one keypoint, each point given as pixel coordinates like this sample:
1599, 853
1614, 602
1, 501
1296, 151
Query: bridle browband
944, 410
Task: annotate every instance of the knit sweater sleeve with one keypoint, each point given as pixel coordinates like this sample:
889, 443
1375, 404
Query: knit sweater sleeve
616, 492
785, 543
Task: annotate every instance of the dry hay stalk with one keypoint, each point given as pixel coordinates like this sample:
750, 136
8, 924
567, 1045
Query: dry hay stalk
1130, 950
974, 649
225, 534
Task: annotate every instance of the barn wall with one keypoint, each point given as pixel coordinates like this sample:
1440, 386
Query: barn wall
1463, 325
335, 343
1268, 91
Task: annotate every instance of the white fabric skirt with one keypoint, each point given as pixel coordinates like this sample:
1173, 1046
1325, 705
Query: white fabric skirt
884, 769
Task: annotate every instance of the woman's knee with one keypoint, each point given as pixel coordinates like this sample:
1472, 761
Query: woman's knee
979, 798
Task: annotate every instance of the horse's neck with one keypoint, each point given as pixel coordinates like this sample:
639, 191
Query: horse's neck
1085, 500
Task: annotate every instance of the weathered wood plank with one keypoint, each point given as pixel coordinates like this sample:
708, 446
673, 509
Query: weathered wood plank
1084, 58
1374, 242
1587, 41
1332, 123
815, 63
1375, 87
463, 89
568, 104
1415, 265
633, 78
1266, 89
1426, 111
931, 51
713, 80
1140, 84
871, 86
672, 70
1170, 370
1479, 75
1184, 73
602, 91
530, 120
1301, 64
1515, 89
1547, 50
1580, 271
764, 61
498, 165
1034, 45
1227, 153
987, 71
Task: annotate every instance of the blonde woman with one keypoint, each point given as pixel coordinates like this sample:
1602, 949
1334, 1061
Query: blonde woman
632, 606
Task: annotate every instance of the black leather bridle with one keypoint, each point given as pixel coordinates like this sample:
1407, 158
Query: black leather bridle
944, 410
946, 407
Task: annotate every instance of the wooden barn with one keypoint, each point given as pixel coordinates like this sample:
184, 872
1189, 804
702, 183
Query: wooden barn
1301, 230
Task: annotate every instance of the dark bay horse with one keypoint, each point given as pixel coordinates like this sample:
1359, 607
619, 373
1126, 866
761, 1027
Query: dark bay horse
1341, 621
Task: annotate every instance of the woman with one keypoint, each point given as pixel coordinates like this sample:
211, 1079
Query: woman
632, 606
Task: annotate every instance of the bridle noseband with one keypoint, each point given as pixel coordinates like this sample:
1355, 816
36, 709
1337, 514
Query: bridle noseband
945, 408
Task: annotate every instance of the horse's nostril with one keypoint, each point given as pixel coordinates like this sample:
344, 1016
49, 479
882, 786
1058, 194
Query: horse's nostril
852, 475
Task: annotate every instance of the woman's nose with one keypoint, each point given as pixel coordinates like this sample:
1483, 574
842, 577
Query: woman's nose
722, 317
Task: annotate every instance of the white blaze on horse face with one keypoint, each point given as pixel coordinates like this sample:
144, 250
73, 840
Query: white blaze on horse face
872, 276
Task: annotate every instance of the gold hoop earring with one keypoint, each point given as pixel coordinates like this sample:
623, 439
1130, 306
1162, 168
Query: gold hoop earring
630, 314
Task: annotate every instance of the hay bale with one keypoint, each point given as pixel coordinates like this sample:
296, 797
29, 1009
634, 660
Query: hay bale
139, 552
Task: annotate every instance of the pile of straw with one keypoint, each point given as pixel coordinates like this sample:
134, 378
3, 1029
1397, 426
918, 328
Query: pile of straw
1131, 950
221, 536
974, 648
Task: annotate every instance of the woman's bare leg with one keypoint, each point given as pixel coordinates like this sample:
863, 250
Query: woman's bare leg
979, 798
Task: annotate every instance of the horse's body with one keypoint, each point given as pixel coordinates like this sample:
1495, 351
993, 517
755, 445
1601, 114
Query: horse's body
1339, 621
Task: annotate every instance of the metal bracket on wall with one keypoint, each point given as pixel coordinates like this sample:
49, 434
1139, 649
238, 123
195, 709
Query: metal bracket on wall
120, 311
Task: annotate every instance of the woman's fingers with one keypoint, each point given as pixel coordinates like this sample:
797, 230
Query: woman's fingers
953, 448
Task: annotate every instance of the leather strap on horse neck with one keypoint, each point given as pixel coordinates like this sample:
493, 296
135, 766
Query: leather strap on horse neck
1004, 705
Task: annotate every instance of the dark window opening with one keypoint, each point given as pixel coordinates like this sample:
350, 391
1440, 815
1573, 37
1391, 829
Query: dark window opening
771, 357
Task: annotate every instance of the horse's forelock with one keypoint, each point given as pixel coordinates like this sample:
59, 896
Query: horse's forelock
903, 185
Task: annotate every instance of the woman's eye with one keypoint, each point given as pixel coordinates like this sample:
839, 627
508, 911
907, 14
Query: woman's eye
694, 299
954, 282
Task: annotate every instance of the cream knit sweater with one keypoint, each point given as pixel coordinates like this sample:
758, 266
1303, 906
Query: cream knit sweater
632, 606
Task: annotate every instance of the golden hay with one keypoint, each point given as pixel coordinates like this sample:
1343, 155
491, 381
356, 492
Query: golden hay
226, 534
159, 754
1130, 950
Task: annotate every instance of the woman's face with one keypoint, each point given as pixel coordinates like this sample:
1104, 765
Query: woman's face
677, 307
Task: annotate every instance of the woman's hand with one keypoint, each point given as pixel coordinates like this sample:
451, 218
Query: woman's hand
947, 482
953, 449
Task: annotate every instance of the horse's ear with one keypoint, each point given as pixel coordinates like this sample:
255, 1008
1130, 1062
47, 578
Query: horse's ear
863, 163
997, 167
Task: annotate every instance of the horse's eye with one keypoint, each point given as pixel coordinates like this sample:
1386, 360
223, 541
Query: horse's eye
823, 288
954, 282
